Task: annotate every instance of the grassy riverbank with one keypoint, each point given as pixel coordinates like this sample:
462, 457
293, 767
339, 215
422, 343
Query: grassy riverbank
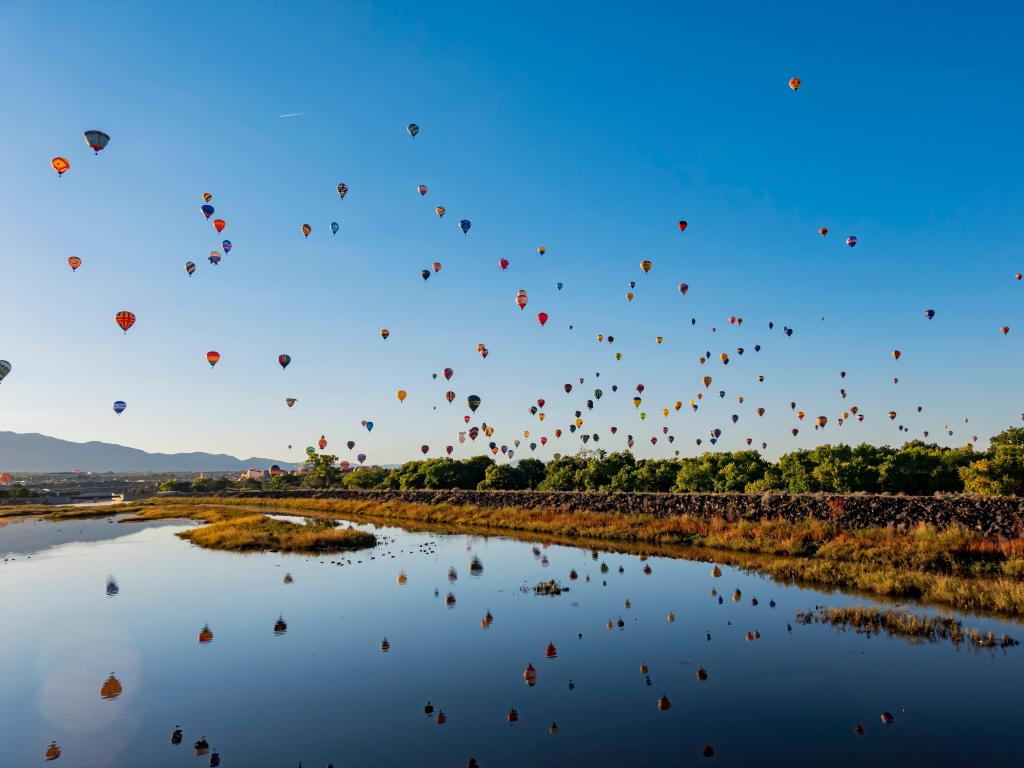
954, 567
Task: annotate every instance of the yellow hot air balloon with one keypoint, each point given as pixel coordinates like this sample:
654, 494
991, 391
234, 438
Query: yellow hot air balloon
542, 250
60, 165
384, 333
636, 402
664, 412
679, 404
646, 265
707, 381
400, 394
794, 83
659, 339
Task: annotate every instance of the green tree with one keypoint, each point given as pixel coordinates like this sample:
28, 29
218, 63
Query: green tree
503, 477
532, 471
366, 478
1000, 473
320, 471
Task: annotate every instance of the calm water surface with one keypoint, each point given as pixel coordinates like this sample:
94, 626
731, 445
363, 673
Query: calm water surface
324, 691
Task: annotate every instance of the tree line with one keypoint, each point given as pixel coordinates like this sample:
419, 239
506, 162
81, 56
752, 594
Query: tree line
917, 468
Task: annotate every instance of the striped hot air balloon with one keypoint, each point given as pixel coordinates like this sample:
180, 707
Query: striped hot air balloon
125, 319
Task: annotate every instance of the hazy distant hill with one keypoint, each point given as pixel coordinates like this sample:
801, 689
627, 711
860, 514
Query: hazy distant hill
39, 453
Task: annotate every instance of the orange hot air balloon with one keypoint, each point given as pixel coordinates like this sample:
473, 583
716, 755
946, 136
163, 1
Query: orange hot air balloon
212, 358
682, 225
384, 333
205, 635
305, 229
659, 339
322, 442
629, 296
1004, 330
800, 415
439, 211
401, 395
60, 165
219, 224
891, 415
111, 689
794, 83
821, 421
1018, 276
125, 319
646, 265
74, 262
823, 231
437, 266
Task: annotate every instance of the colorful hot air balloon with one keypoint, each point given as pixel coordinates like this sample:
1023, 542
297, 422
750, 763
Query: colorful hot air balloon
541, 250
896, 354
384, 333
290, 401
448, 373
436, 266
929, 313
683, 288
335, 226
682, 225
190, 268
305, 229
521, 299
119, 406
219, 224
284, 361
125, 319
5, 368
422, 189
74, 262
1004, 330
823, 231
60, 165
96, 140
342, 190
473, 402
440, 211
646, 265
851, 240
413, 129
226, 245
794, 83
212, 358
214, 258
542, 318
207, 210
207, 197
464, 225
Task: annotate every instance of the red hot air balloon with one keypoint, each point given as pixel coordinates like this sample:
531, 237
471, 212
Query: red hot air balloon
823, 231
125, 319
682, 225
284, 360
322, 442
896, 354
503, 263
212, 358
219, 224
542, 318
448, 373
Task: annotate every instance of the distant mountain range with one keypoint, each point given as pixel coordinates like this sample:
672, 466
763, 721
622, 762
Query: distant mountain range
39, 453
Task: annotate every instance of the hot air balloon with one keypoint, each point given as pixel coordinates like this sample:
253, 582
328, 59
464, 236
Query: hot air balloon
473, 402
214, 258
125, 320
207, 210
521, 299
558, 286
448, 373
682, 225
226, 245
284, 361
305, 229
464, 225
119, 406
794, 83
219, 224
111, 689
683, 288
1004, 330
823, 231
401, 394
207, 197
96, 140
425, 274
821, 421
629, 295
335, 226
851, 240
369, 426
322, 442
74, 262
646, 265
290, 401
503, 264
422, 189
929, 313
542, 318
440, 211
60, 165
436, 266
342, 190
190, 268
413, 129
212, 358
896, 354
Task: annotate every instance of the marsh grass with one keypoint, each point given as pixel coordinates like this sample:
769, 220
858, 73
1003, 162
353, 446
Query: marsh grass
903, 623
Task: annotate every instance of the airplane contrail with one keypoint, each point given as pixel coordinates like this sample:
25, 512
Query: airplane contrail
294, 114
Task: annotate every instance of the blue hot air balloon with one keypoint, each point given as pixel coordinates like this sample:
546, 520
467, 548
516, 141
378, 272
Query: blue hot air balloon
464, 225
226, 245
335, 226
558, 286
207, 210
369, 426
119, 406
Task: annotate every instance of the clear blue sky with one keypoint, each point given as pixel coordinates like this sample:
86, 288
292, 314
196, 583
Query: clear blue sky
586, 129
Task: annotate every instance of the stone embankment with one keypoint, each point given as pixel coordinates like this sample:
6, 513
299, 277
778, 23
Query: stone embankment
991, 516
